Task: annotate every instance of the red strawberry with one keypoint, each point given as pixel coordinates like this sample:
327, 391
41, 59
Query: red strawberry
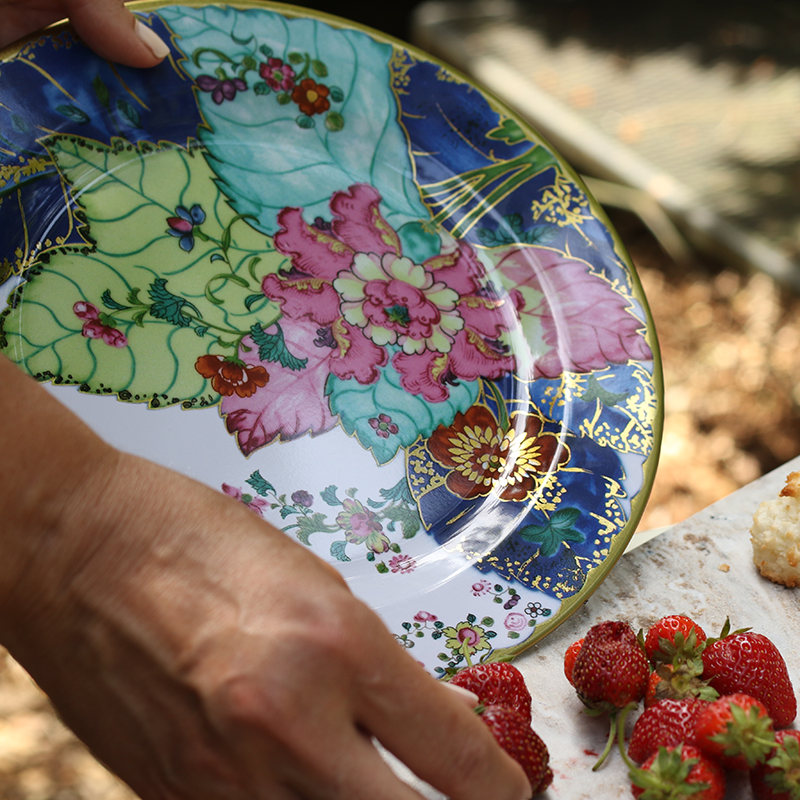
779, 777
515, 735
569, 658
666, 724
736, 730
611, 669
679, 772
498, 684
750, 663
672, 634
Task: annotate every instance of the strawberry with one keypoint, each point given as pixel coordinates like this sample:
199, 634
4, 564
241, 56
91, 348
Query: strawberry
514, 734
499, 684
670, 635
779, 777
679, 772
736, 730
611, 670
750, 663
665, 724
569, 658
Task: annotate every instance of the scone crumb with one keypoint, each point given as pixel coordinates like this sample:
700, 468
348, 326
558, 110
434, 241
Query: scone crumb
724, 567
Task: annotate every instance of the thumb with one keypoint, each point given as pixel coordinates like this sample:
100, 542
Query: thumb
113, 32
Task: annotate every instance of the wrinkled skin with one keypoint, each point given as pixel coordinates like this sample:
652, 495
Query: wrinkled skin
198, 651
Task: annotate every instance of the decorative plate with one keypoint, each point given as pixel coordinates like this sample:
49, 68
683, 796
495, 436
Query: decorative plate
308, 265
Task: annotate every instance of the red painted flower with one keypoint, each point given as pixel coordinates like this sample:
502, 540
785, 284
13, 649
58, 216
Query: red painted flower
312, 97
96, 328
484, 458
230, 376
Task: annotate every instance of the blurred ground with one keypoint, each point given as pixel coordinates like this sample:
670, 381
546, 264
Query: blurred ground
730, 348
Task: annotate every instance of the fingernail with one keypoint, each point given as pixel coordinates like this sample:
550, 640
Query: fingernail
468, 696
155, 44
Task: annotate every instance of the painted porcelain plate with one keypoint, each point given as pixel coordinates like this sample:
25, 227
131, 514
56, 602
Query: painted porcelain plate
317, 270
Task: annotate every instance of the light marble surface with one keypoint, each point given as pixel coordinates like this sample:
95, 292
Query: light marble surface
702, 567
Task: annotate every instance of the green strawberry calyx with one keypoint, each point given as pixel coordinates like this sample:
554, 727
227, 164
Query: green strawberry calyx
785, 762
667, 777
748, 733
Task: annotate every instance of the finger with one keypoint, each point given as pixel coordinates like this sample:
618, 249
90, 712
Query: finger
113, 32
437, 735
361, 773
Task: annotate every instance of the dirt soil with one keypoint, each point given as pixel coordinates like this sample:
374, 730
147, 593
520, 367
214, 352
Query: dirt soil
729, 346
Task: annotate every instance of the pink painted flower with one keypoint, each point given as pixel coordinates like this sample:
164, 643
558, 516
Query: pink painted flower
361, 526
278, 76
254, 503
515, 621
401, 563
425, 617
351, 279
97, 326
383, 425
480, 588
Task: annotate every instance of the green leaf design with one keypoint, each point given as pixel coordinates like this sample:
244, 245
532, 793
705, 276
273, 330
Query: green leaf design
126, 193
328, 494
110, 302
169, 306
334, 121
596, 391
272, 347
129, 113
409, 520
101, 90
338, 551
73, 112
319, 68
559, 529
260, 484
509, 131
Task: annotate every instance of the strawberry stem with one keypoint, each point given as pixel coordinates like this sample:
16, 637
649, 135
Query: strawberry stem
616, 733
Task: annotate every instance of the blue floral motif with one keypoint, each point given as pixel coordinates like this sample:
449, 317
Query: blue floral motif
182, 226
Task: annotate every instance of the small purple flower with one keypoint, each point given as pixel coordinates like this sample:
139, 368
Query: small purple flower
182, 226
278, 76
383, 425
302, 498
221, 89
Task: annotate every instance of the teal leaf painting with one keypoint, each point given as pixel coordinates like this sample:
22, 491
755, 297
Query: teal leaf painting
260, 484
272, 347
325, 159
385, 418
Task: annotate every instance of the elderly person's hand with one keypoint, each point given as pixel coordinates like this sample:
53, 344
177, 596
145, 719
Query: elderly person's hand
106, 26
201, 653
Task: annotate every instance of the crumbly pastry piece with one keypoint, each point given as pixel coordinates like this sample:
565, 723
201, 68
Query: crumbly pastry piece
775, 535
